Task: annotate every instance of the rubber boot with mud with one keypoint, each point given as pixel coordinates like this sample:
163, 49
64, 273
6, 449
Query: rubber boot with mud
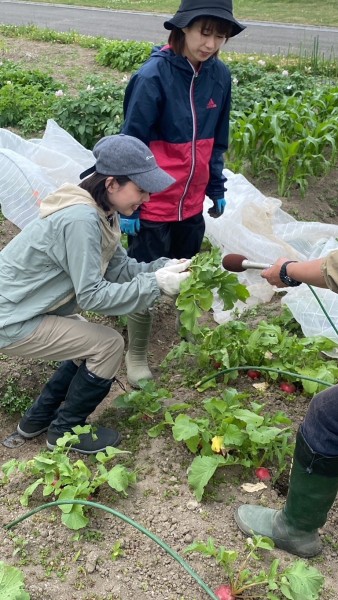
312, 490
139, 328
39, 416
85, 393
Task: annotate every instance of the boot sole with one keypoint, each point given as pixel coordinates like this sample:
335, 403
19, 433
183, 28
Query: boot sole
29, 436
81, 451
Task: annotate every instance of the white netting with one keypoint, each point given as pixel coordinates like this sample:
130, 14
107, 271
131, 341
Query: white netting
31, 169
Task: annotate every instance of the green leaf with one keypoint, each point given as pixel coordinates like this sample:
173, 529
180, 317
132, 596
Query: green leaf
119, 478
201, 470
155, 431
207, 549
11, 583
109, 453
301, 581
264, 435
184, 428
233, 436
75, 519
29, 491
249, 417
68, 493
193, 443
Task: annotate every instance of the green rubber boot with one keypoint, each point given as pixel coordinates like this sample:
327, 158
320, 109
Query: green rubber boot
312, 490
139, 328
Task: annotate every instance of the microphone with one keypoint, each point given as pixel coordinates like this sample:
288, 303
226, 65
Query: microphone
238, 263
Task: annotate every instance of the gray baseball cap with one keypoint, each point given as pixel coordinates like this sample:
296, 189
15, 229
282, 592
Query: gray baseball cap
126, 155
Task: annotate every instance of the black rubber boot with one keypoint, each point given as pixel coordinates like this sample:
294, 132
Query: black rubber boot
312, 490
39, 416
85, 393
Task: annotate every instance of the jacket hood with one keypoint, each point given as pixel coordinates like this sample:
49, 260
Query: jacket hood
67, 195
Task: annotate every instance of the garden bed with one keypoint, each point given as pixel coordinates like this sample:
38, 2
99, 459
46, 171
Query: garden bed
109, 559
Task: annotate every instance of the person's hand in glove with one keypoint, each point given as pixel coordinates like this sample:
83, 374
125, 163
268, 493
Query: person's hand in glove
218, 208
170, 278
177, 261
130, 225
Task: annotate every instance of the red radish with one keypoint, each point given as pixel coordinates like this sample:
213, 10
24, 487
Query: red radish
287, 387
263, 474
254, 374
216, 364
224, 592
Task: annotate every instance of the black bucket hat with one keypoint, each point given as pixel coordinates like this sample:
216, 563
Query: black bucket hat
193, 9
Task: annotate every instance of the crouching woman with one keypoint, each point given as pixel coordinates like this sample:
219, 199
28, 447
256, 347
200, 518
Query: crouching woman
70, 259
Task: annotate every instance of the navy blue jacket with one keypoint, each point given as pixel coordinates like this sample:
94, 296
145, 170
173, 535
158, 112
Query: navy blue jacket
183, 116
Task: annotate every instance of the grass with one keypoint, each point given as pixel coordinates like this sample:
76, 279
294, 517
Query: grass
308, 12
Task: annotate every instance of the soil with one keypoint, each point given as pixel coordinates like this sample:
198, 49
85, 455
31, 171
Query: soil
59, 565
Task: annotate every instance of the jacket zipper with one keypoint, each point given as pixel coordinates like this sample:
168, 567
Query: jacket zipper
193, 144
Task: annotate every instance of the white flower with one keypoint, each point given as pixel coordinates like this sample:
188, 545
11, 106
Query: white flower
235, 80
124, 78
262, 63
59, 93
90, 88
9, 82
285, 73
251, 58
289, 87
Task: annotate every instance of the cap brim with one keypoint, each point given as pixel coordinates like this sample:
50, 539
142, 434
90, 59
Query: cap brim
183, 19
87, 172
152, 181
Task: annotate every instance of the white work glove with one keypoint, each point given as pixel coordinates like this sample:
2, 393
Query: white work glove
170, 278
176, 261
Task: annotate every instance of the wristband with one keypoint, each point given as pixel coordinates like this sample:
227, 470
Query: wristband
284, 277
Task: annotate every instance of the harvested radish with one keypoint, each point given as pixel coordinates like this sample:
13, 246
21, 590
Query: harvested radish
263, 474
254, 374
287, 387
224, 592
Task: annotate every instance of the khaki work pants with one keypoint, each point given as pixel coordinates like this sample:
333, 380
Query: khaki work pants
73, 338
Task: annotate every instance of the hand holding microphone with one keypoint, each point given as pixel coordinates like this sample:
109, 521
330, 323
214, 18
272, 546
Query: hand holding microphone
238, 263
275, 274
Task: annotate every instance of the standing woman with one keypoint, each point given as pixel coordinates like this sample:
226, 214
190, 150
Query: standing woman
70, 259
178, 103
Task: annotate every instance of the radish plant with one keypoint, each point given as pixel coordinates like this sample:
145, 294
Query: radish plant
234, 344
298, 581
197, 292
64, 479
228, 434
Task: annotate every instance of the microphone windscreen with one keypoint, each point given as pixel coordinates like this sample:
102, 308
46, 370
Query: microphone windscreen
234, 262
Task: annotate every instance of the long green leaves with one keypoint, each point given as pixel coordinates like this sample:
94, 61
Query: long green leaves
293, 138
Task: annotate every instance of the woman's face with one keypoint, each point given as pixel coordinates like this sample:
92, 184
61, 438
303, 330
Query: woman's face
125, 198
201, 44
